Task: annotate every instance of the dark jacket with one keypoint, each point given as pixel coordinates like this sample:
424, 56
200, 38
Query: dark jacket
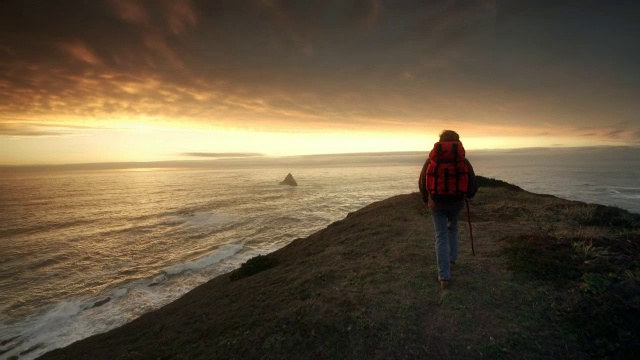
427, 200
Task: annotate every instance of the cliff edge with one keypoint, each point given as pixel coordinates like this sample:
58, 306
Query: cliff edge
551, 279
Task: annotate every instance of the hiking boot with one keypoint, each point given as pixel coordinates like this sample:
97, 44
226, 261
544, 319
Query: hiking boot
443, 283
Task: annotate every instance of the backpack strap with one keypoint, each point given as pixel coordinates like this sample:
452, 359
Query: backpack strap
446, 181
435, 177
455, 157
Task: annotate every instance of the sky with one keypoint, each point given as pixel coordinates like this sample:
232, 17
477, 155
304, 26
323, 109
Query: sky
155, 80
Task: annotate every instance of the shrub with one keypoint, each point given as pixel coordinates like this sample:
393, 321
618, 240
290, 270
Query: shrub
482, 181
253, 266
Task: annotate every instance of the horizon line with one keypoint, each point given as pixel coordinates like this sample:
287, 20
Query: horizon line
222, 158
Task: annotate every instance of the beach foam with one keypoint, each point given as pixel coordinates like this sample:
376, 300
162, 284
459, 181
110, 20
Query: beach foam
220, 254
65, 322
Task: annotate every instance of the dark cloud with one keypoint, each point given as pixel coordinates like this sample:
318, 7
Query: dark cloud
25, 128
22, 130
300, 64
615, 134
221, 155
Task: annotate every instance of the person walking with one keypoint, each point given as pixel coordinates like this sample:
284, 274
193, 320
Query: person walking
447, 177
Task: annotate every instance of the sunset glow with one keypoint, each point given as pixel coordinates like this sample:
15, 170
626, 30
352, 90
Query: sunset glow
146, 81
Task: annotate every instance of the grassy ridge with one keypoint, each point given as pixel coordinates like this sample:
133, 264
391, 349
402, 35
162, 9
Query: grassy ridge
596, 286
551, 279
590, 254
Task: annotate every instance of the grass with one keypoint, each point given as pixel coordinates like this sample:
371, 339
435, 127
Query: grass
551, 279
586, 257
596, 283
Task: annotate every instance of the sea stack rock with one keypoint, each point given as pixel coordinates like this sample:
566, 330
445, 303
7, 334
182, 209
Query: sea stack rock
289, 180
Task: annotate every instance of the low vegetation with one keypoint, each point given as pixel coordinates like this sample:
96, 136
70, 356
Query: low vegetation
551, 279
596, 287
586, 257
486, 182
253, 266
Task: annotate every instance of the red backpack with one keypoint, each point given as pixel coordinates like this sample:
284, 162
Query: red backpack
447, 172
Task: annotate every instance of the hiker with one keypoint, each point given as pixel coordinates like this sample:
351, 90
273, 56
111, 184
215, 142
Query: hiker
446, 178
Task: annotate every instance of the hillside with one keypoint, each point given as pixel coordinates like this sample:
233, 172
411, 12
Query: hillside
551, 279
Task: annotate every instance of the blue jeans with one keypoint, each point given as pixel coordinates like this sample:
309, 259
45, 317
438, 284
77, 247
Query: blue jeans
445, 222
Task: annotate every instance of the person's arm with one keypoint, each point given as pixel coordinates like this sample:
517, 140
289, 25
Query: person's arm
473, 185
422, 183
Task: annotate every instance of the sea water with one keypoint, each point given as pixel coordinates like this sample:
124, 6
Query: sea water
85, 252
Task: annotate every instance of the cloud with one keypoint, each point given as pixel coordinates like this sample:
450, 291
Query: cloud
221, 155
80, 51
26, 130
158, 24
368, 13
7, 50
303, 65
625, 130
132, 11
180, 15
615, 134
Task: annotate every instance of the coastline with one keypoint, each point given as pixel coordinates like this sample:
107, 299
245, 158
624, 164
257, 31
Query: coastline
365, 287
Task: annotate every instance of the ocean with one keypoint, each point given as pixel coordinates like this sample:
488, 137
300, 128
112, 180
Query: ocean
87, 251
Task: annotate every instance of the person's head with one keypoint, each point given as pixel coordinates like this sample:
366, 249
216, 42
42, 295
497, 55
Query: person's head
449, 135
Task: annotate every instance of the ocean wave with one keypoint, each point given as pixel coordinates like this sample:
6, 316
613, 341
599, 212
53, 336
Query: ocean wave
632, 188
220, 254
62, 323
624, 193
43, 227
45, 262
629, 196
67, 321
197, 219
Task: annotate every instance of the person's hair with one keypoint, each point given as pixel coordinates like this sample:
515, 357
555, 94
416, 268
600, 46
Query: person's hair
449, 135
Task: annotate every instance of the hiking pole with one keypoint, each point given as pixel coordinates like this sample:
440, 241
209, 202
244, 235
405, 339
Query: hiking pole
473, 252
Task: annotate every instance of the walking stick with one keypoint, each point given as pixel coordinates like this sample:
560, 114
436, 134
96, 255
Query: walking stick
473, 252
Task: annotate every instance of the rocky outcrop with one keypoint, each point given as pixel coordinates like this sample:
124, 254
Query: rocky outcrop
289, 180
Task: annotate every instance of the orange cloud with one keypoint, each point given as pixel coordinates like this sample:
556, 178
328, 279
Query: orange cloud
158, 43
249, 66
7, 50
373, 14
180, 14
176, 15
132, 11
288, 25
80, 51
